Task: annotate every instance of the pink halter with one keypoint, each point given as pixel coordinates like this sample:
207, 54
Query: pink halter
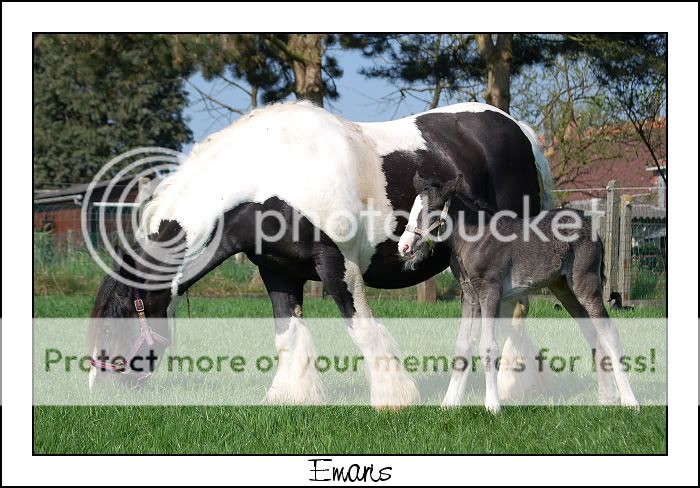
147, 335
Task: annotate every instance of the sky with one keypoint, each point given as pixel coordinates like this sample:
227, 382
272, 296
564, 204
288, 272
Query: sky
361, 99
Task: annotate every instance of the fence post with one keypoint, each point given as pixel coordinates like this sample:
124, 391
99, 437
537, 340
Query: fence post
316, 289
427, 291
612, 235
625, 272
70, 242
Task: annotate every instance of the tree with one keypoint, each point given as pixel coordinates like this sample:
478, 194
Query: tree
632, 68
596, 103
97, 96
266, 67
568, 106
434, 65
498, 57
238, 60
505, 57
307, 55
454, 66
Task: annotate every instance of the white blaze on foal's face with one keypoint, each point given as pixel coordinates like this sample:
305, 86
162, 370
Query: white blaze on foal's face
408, 239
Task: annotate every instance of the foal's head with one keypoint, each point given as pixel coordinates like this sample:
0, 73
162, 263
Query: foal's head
426, 224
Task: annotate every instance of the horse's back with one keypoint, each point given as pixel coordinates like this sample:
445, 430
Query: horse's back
318, 163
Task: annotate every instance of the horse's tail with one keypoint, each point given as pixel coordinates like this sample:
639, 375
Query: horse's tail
544, 174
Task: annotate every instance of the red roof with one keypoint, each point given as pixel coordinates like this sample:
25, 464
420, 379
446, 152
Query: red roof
628, 162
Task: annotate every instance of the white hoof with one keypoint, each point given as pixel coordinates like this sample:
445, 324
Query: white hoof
393, 390
630, 403
308, 392
297, 381
609, 400
519, 374
450, 403
608, 394
508, 386
493, 407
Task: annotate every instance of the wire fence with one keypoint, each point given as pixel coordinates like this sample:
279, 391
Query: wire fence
647, 270
633, 227
63, 264
635, 236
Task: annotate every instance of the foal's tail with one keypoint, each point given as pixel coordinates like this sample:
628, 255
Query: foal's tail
603, 278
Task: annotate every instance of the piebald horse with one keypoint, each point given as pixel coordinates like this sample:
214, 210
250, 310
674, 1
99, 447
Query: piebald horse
341, 193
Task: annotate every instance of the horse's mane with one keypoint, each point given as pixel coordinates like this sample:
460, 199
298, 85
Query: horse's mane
465, 196
106, 305
165, 195
108, 302
476, 204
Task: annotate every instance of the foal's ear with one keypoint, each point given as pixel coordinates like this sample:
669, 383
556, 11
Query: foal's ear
419, 183
455, 185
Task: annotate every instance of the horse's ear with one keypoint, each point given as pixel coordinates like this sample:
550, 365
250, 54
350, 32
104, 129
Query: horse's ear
419, 183
124, 263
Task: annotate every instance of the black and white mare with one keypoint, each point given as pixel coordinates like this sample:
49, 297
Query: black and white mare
314, 174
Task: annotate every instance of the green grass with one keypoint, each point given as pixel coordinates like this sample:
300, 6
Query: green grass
647, 284
58, 272
53, 306
339, 429
301, 430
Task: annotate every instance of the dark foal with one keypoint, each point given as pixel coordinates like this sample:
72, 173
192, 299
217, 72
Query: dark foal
498, 256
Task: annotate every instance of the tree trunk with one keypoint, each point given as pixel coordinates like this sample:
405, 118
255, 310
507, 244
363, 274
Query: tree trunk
254, 96
498, 57
436, 95
306, 52
426, 292
438, 82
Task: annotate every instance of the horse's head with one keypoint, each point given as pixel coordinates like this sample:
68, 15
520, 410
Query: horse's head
428, 214
128, 330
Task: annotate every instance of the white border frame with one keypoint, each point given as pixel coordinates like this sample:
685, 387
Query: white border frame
680, 20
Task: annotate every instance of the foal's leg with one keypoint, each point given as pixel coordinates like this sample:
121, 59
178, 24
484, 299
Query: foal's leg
608, 394
588, 292
390, 385
489, 299
465, 346
297, 380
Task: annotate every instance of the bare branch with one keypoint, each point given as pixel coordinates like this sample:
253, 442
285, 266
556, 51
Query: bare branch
221, 104
237, 85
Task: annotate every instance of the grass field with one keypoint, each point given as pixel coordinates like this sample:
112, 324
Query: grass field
336, 429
